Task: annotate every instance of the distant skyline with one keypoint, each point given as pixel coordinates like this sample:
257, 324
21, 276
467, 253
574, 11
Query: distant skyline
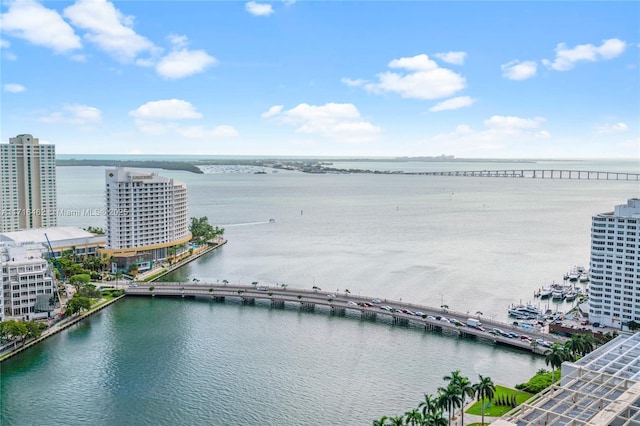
324, 78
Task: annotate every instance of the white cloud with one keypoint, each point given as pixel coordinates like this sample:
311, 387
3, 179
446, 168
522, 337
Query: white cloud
423, 79
340, 122
456, 58
4, 44
183, 63
353, 83
613, 128
566, 58
74, 114
501, 135
31, 21
274, 110
511, 122
168, 109
14, 88
164, 116
108, 29
453, 103
258, 9
516, 70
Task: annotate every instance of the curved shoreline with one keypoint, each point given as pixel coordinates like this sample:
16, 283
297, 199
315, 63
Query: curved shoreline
68, 322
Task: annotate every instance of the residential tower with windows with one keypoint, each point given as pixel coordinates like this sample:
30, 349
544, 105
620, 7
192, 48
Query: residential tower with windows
614, 272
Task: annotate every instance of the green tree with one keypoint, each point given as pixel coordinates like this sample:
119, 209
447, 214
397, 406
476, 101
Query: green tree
34, 329
463, 385
449, 398
429, 405
382, 421
413, 417
202, 231
396, 421
12, 329
555, 356
77, 304
485, 390
633, 325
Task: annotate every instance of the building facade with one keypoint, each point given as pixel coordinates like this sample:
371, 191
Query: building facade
27, 286
614, 289
147, 218
27, 184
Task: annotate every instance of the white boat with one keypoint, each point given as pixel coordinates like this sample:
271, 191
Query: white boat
583, 278
557, 294
570, 295
525, 312
545, 292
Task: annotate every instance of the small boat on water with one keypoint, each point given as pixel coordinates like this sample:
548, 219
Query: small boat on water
583, 278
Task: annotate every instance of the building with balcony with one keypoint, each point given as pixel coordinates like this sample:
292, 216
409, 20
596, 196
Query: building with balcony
146, 217
27, 286
614, 271
27, 184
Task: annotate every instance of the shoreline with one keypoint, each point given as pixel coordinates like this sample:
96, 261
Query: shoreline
70, 321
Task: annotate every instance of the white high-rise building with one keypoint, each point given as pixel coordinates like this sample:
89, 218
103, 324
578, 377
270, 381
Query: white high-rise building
27, 184
27, 286
614, 289
146, 217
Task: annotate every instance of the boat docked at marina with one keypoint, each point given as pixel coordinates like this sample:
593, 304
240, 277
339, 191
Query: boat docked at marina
525, 312
557, 294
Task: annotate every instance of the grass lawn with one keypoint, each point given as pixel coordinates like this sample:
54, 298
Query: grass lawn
498, 410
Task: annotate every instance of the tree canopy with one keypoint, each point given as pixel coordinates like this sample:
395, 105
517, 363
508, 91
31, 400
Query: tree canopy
202, 231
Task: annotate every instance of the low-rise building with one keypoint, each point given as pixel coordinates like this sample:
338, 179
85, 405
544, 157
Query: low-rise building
62, 238
27, 286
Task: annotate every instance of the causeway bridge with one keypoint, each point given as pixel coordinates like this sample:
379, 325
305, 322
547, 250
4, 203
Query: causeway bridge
340, 304
539, 174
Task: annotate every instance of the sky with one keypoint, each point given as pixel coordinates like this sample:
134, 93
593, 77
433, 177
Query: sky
473, 79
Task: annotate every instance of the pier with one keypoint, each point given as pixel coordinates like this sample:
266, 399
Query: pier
347, 304
539, 174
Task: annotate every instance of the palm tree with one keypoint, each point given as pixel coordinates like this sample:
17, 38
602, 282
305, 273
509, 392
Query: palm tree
463, 385
397, 421
466, 389
380, 422
485, 389
435, 419
429, 405
449, 398
589, 343
575, 345
555, 356
413, 417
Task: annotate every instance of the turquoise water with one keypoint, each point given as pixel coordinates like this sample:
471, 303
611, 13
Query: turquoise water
473, 244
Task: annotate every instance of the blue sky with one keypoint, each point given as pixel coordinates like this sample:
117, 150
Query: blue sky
324, 78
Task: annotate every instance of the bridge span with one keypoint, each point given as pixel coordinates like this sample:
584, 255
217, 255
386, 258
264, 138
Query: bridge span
401, 313
539, 174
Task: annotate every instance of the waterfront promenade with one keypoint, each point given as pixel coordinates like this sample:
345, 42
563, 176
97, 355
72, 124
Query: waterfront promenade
401, 313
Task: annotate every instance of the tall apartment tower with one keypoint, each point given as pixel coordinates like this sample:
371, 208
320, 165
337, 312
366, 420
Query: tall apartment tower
27, 184
614, 289
146, 217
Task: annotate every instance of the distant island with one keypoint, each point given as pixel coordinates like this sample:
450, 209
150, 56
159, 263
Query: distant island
306, 165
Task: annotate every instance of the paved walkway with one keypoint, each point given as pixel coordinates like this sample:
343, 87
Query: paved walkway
470, 418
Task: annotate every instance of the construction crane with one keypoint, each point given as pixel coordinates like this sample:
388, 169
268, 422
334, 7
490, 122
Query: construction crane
59, 268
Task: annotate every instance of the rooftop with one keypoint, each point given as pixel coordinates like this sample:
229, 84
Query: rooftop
57, 233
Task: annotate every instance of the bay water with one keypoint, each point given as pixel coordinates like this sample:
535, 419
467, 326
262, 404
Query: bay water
474, 244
